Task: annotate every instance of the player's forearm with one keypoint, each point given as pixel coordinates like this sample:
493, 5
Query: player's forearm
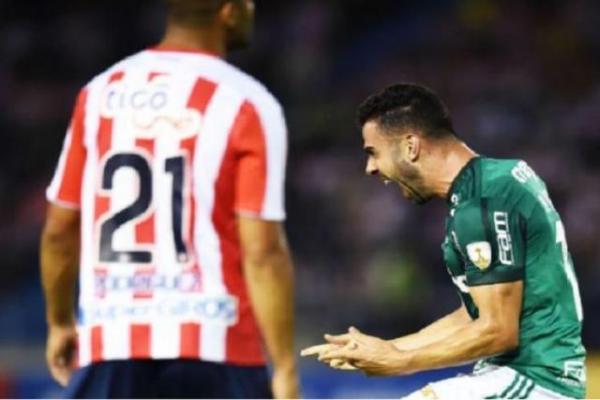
433, 332
59, 255
469, 342
270, 281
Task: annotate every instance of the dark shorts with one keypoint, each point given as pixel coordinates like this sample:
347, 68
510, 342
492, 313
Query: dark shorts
168, 379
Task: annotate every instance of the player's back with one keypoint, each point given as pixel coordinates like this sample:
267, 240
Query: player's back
511, 205
164, 150
550, 325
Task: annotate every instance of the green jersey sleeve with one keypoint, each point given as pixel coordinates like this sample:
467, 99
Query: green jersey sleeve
491, 238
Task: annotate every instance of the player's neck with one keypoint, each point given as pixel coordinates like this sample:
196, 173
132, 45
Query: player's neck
451, 161
207, 39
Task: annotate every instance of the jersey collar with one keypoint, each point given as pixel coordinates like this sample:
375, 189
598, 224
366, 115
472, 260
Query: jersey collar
458, 180
181, 49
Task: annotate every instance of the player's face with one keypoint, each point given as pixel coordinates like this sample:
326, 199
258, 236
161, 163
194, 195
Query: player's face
389, 158
240, 25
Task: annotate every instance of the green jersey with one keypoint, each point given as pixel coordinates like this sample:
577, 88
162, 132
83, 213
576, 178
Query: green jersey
503, 227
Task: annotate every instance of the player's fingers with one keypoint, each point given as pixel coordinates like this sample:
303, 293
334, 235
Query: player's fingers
341, 353
314, 350
338, 339
347, 366
342, 365
60, 373
354, 332
357, 336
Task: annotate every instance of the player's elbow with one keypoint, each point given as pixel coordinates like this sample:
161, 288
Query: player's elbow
262, 252
502, 337
60, 231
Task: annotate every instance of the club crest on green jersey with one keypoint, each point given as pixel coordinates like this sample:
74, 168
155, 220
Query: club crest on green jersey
480, 253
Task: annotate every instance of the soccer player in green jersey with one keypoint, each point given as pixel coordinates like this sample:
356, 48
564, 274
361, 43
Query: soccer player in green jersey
505, 250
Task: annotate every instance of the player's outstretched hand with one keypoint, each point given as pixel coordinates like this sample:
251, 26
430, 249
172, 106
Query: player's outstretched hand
60, 350
370, 354
321, 349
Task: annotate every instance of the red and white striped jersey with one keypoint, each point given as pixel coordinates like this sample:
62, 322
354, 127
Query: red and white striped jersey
163, 150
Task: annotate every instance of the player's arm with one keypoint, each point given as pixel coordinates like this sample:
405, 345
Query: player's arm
260, 139
270, 281
495, 331
59, 252
491, 237
59, 255
435, 331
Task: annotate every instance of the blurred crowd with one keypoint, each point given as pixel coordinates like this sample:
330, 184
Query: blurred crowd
521, 79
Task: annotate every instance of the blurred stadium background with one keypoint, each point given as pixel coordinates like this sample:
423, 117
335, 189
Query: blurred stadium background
522, 79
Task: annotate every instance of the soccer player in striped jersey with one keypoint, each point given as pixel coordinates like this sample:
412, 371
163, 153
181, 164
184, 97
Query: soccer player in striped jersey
505, 250
166, 208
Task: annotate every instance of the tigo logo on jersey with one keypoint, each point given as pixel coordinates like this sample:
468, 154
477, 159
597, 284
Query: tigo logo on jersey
147, 110
480, 253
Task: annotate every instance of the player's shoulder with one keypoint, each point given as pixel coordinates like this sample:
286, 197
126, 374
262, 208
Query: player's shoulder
248, 86
502, 178
229, 78
100, 80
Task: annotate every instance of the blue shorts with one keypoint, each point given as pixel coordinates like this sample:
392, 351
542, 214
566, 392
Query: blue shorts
168, 379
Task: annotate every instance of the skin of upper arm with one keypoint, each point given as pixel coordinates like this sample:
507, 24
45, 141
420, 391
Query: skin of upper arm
260, 238
61, 222
500, 311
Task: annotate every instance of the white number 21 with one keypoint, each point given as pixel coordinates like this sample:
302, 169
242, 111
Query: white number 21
562, 240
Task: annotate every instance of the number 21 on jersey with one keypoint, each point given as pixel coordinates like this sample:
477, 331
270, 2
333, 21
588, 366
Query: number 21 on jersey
138, 209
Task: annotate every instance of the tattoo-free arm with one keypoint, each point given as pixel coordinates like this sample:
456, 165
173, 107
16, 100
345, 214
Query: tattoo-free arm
270, 280
495, 331
59, 257
433, 332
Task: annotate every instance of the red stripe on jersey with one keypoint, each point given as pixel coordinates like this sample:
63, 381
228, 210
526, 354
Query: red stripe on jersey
140, 340
97, 343
243, 342
144, 230
200, 96
189, 346
250, 144
70, 186
103, 142
153, 75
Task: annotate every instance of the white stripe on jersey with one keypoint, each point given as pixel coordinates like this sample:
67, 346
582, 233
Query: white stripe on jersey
84, 350
276, 139
125, 190
165, 339
210, 149
116, 340
87, 258
167, 145
52, 191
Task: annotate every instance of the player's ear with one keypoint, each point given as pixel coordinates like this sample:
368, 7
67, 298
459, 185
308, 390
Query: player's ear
412, 147
229, 14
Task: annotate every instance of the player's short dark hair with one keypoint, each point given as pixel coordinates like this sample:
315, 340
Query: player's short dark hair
193, 12
407, 106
